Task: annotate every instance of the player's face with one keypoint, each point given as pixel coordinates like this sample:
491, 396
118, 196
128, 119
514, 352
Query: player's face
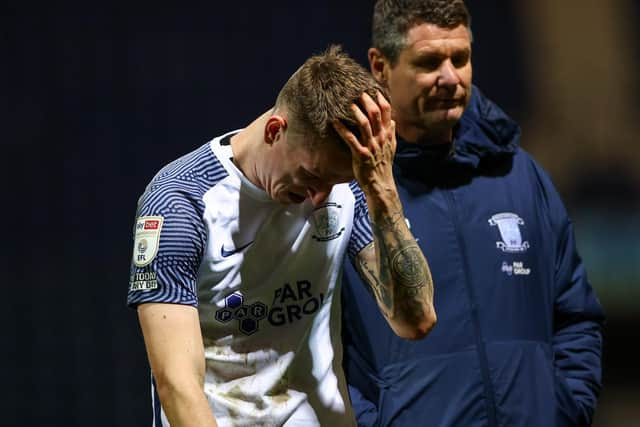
430, 85
299, 170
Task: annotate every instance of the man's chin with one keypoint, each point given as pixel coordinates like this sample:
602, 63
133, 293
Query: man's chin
444, 118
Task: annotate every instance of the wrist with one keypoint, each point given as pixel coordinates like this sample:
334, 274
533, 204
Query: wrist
382, 200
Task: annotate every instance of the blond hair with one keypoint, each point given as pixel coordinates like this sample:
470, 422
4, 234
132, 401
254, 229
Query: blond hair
322, 90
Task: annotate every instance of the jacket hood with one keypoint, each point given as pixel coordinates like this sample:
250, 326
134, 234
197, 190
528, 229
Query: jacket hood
484, 132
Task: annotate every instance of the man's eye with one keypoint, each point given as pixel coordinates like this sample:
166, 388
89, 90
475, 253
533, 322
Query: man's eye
430, 63
460, 60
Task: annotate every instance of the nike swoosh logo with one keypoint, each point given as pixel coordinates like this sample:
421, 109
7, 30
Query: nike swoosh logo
226, 253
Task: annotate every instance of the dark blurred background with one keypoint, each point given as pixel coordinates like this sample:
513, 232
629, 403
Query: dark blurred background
95, 98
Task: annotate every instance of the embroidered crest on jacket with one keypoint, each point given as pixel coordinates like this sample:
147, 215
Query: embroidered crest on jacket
509, 225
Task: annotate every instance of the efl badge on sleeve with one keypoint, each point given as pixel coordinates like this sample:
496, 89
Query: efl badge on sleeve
147, 239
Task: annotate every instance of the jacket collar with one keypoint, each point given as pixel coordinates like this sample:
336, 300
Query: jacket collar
484, 132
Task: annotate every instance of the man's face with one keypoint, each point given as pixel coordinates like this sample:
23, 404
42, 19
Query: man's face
297, 170
430, 85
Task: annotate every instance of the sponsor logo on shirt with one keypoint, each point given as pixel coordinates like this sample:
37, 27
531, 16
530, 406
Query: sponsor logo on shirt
290, 304
509, 226
248, 316
151, 224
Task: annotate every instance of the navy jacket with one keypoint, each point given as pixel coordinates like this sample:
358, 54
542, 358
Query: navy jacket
518, 340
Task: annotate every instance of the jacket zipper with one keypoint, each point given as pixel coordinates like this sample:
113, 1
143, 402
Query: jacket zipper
480, 346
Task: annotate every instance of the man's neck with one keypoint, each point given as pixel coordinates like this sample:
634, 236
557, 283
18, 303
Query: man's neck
415, 135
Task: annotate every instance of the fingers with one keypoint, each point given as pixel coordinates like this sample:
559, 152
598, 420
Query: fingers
378, 113
374, 122
347, 136
373, 113
385, 108
366, 124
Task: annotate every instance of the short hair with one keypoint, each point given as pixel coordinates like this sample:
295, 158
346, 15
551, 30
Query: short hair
392, 19
322, 90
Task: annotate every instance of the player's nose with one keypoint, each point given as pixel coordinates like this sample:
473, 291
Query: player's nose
318, 196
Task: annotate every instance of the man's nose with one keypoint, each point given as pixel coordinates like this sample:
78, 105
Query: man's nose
318, 195
448, 74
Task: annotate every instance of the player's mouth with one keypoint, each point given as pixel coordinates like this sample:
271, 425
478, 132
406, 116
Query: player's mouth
296, 198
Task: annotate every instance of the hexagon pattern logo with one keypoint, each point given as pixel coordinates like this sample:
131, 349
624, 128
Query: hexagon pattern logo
248, 316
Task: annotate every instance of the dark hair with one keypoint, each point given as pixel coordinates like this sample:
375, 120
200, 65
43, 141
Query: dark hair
322, 90
392, 19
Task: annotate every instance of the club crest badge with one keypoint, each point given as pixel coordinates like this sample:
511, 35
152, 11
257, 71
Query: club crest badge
509, 226
325, 220
147, 239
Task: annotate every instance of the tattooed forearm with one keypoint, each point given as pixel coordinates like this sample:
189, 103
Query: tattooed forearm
380, 292
396, 270
411, 280
401, 258
407, 264
389, 222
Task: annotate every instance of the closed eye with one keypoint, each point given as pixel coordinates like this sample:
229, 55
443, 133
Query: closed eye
308, 174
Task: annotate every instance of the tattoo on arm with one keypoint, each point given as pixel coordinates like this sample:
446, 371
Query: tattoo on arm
406, 265
401, 281
412, 279
388, 223
379, 291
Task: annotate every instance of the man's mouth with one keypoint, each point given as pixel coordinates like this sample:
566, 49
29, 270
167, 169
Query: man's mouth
444, 103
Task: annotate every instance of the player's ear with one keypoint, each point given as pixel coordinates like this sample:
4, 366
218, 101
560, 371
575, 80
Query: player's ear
379, 66
274, 128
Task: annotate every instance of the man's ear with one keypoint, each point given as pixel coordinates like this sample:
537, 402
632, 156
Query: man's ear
379, 66
276, 124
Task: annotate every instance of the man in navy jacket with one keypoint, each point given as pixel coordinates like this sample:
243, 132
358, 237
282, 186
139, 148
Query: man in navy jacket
518, 340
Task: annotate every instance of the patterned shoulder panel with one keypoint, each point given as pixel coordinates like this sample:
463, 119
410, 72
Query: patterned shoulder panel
169, 233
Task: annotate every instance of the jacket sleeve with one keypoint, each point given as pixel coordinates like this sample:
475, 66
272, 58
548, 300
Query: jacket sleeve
578, 320
365, 411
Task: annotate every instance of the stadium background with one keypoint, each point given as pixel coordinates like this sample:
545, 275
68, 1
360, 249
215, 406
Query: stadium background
96, 97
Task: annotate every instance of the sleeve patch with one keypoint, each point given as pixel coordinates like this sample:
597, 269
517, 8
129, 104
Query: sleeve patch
147, 239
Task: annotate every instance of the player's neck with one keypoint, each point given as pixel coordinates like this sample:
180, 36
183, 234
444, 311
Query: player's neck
247, 146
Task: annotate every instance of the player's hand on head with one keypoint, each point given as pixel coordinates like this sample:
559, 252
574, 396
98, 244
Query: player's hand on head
373, 148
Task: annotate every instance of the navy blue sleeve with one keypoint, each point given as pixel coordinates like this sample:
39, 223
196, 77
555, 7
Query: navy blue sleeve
363, 328
578, 320
365, 411
577, 340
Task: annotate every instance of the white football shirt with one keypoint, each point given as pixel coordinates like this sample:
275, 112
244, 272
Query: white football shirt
264, 278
